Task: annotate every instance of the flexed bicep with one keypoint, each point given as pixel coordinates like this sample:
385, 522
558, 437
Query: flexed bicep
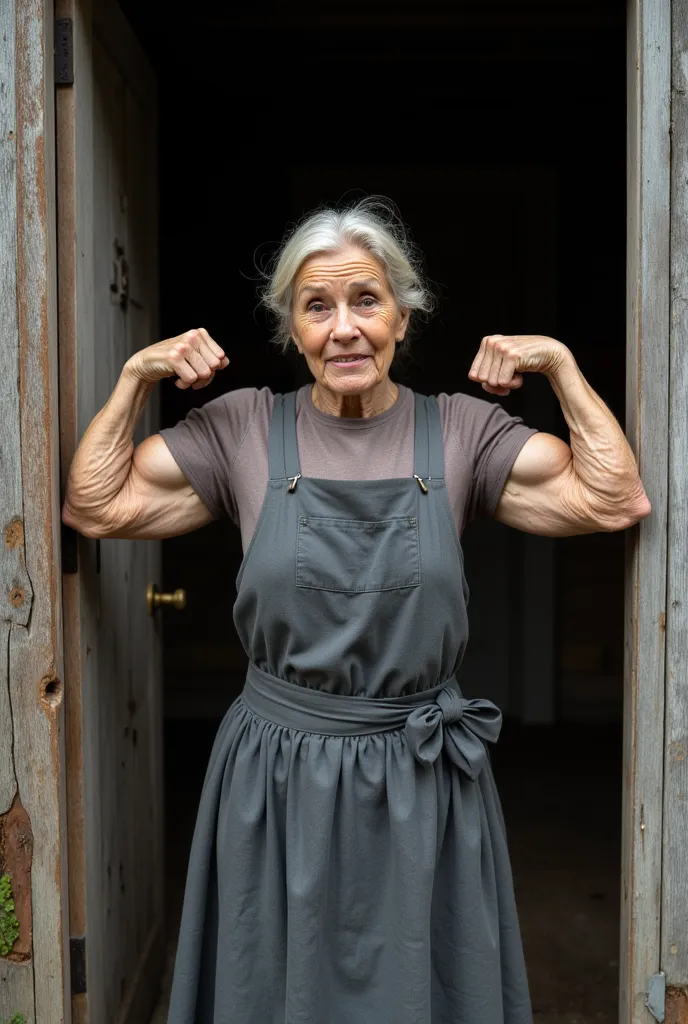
157, 499
117, 490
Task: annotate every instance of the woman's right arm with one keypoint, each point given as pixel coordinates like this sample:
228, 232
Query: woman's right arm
117, 490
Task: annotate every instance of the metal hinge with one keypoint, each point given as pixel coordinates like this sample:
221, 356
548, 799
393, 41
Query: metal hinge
64, 51
77, 963
655, 996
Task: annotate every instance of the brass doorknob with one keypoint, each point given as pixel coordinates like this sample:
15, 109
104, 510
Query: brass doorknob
154, 598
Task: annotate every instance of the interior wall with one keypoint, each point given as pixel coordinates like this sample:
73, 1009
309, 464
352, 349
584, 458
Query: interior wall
501, 137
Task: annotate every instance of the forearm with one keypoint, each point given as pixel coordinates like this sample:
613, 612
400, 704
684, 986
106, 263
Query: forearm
103, 459
602, 461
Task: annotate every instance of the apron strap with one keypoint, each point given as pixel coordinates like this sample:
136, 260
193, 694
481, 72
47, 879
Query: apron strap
428, 448
283, 452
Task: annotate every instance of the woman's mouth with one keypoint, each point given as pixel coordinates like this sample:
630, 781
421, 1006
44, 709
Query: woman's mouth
350, 362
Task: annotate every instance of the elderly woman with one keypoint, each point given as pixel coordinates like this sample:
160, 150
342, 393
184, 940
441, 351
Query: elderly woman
349, 864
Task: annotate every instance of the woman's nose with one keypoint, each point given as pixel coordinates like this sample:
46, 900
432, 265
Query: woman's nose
344, 329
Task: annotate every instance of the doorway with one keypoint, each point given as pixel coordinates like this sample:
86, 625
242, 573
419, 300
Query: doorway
501, 138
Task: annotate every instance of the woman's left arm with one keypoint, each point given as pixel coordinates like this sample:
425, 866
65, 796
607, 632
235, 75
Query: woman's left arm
555, 489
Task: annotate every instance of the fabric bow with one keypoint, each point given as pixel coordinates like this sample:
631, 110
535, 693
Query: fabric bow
457, 724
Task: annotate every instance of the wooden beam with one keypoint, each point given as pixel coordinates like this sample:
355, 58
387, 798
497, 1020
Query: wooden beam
16, 593
647, 355
674, 951
73, 106
30, 443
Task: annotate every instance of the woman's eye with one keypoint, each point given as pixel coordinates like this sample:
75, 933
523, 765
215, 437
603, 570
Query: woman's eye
367, 301
316, 307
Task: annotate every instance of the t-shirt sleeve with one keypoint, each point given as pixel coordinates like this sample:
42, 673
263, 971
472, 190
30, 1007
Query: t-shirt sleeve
490, 440
206, 442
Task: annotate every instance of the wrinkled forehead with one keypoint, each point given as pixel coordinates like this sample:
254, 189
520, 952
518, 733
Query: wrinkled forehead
343, 268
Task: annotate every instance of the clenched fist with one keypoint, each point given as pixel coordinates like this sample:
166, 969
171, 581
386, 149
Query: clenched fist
503, 358
193, 356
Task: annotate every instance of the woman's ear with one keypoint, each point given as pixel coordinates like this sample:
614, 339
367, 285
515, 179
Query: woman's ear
404, 317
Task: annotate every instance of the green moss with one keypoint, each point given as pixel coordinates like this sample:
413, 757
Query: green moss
16, 1018
9, 925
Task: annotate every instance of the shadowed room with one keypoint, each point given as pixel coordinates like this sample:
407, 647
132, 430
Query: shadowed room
498, 130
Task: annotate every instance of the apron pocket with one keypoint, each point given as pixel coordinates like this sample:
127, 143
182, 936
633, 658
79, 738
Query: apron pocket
352, 556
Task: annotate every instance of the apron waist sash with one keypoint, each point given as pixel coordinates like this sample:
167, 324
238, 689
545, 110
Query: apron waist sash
432, 720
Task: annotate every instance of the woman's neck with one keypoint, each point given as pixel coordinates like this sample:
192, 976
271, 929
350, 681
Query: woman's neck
362, 406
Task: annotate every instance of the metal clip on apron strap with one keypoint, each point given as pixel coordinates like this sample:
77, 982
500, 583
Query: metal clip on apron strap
282, 447
428, 445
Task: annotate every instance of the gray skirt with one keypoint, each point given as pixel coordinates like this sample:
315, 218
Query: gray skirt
349, 866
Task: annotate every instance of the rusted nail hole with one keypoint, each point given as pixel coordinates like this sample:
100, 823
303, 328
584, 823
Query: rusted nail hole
52, 691
16, 597
10, 136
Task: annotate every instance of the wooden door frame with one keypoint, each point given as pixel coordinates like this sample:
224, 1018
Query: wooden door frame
674, 932
35, 979
75, 113
654, 929
31, 668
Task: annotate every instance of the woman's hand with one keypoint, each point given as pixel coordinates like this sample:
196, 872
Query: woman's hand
194, 357
503, 358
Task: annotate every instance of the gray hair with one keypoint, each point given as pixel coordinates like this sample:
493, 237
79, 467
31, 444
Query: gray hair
371, 223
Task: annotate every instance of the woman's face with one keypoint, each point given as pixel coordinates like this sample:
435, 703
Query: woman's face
345, 320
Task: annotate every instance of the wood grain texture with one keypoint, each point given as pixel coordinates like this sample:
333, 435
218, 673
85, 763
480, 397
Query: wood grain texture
35, 649
75, 208
8, 779
107, 186
647, 354
15, 588
16, 991
674, 952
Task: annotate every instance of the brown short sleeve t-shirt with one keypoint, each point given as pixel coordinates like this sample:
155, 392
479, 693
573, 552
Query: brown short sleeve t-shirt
222, 449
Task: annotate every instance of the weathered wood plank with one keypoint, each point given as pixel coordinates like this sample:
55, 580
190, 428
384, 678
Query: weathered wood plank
647, 351
675, 859
8, 780
15, 589
16, 990
73, 106
106, 185
35, 650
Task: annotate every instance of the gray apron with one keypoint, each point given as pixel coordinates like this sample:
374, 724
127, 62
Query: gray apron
349, 863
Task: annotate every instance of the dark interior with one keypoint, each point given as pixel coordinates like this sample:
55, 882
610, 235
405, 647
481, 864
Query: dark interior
498, 129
